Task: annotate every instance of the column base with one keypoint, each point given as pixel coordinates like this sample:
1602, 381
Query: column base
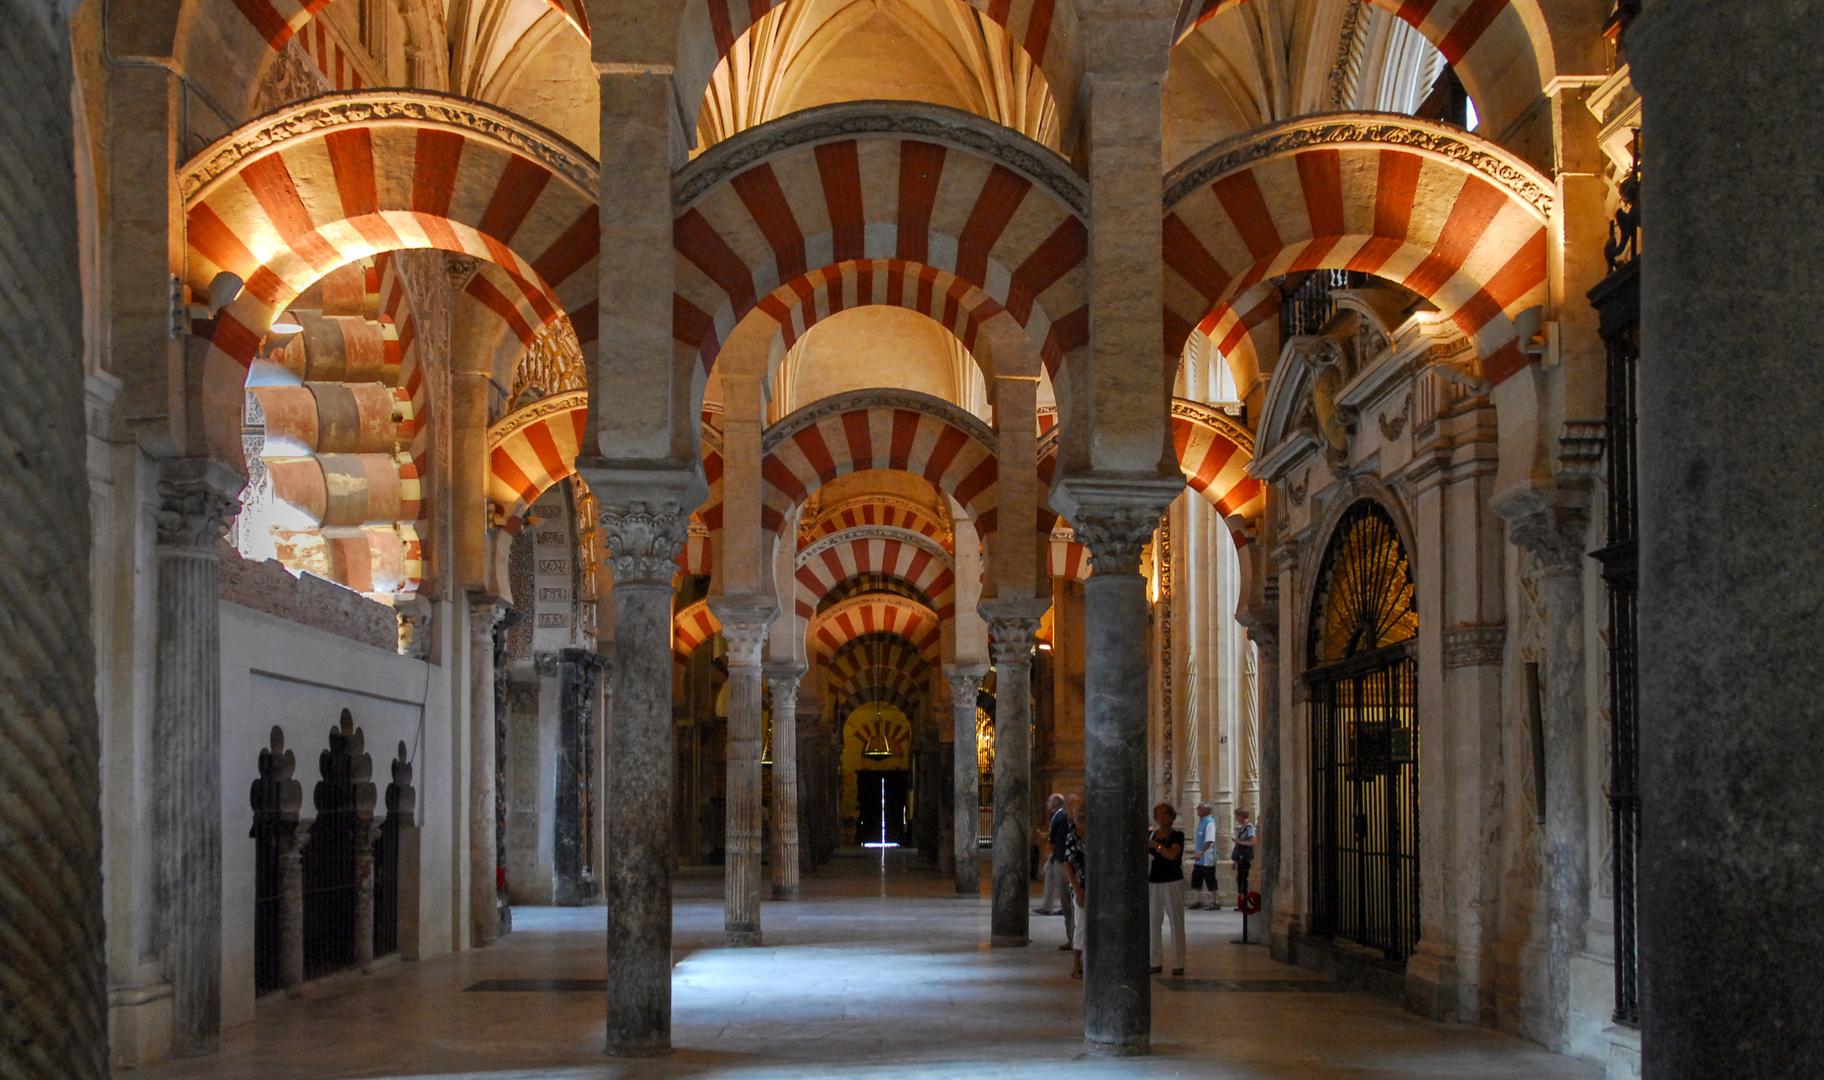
1138, 1046
741, 937
139, 1024
657, 1046
1431, 987
785, 892
1009, 941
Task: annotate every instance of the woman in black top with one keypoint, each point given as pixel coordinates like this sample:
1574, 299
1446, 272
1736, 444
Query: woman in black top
1165, 885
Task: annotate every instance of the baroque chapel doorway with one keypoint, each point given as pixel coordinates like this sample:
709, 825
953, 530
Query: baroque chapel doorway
1361, 673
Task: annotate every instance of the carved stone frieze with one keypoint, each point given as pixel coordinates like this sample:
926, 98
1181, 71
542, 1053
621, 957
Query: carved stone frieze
963, 130
1212, 417
642, 540
1474, 646
421, 108
1373, 129
538, 410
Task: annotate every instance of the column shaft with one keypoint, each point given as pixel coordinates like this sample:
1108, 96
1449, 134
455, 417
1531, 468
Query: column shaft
966, 771
1013, 624
196, 502
1731, 754
642, 538
484, 891
741, 918
786, 865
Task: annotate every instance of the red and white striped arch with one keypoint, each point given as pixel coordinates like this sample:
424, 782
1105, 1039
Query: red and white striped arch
872, 613
531, 449
849, 702
1068, 559
278, 21
1214, 453
877, 511
888, 661
874, 218
1501, 49
911, 557
1379, 194
691, 627
297, 193
499, 315
874, 429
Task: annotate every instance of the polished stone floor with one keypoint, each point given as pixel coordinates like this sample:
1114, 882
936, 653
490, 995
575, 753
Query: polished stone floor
877, 973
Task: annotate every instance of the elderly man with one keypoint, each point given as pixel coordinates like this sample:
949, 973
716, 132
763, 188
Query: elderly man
1203, 871
1056, 883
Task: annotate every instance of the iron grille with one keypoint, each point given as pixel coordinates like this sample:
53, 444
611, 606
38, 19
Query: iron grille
1364, 739
1305, 304
271, 834
1617, 301
386, 881
331, 885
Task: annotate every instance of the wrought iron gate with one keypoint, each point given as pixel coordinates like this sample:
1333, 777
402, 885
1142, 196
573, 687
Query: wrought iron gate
1362, 676
331, 885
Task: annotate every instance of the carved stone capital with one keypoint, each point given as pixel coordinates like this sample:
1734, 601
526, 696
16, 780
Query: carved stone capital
745, 621
485, 612
1474, 646
1114, 519
964, 680
1552, 525
544, 663
643, 540
197, 501
1012, 624
784, 680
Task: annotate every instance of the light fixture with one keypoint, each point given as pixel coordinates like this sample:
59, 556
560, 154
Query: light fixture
287, 323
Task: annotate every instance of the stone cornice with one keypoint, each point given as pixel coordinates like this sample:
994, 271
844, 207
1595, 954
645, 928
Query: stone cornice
952, 127
1211, 417
879, 399
1503, 169
367, 108
876, 532
538, 410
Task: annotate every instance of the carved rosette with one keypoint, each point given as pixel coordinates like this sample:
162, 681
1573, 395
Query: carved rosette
643, 540
195, 508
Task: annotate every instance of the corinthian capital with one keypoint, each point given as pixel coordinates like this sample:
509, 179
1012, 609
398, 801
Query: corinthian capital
744, 620
965, 680
1012, 624
643, 540
1553, 525
197, 500
1114, 518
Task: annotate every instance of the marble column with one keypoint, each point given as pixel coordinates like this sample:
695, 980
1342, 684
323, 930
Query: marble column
485, 612
1115, 520
1731, 568
642, 538
745, 620
197, 499
1012, 624
965, 680
783, 678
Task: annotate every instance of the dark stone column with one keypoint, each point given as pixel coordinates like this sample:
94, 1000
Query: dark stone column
1012, 624
1731, 567
485, 611
573, 825
642, 538
197, 499
965, 680
1115, 521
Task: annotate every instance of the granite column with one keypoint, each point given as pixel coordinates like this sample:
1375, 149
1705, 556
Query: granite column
1731, 571
745, 620
1012, 624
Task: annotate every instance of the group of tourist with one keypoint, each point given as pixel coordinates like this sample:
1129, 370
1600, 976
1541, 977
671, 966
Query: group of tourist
1066, 873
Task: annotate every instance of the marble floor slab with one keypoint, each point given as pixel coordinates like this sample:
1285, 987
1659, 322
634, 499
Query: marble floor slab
877, 973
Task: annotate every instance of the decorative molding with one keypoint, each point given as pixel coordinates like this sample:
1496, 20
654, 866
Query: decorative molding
1475, 646
1297, 490
392, 107
910, 400
876, 532
1214, 417
643, 539
962, 130
1580, 446
538, 410
1367, 129
1392, 428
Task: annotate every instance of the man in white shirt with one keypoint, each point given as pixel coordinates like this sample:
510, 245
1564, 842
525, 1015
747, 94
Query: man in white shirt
1203, 871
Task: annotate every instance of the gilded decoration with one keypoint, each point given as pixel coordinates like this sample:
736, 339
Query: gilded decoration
1364, 595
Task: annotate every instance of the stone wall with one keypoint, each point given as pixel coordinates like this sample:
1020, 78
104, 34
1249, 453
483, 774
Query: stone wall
307, 599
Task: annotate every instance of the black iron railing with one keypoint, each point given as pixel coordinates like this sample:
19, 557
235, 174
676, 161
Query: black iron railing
1307, 304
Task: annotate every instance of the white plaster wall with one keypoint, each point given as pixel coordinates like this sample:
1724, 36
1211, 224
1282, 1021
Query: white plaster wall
299, 678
